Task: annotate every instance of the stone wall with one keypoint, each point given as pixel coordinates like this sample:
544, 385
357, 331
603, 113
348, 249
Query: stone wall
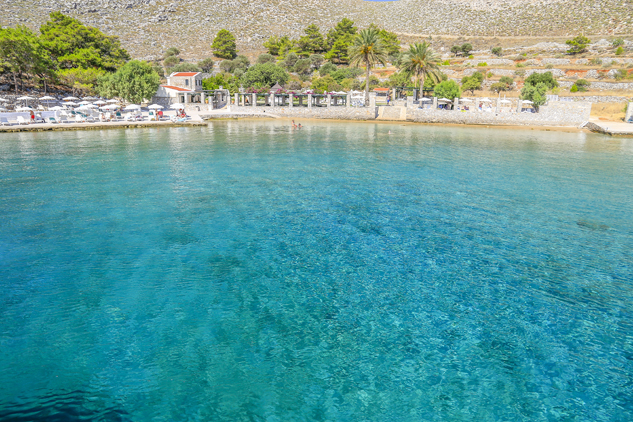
555, 114
341, 113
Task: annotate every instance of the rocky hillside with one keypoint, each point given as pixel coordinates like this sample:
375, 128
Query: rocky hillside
148, 27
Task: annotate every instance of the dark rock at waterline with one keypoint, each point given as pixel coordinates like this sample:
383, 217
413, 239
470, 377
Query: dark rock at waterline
591, 225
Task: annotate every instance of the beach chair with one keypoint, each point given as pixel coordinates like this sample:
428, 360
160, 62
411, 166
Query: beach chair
4, 121
63, 118
22, 121
118, 116
79, 118
39, 119
52, 120
152, 116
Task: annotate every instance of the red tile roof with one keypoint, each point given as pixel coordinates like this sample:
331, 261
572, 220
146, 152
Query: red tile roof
185, 74
176, 88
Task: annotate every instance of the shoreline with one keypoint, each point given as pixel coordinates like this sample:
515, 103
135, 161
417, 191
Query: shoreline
50, 127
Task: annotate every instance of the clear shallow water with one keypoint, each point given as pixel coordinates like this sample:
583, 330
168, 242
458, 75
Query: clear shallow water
244, 272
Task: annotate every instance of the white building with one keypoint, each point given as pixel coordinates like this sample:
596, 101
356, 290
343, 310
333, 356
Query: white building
181, 87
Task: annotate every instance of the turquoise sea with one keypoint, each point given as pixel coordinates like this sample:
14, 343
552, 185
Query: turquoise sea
249, 272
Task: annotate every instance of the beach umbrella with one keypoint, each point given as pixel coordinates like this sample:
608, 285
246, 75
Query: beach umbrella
56, 108
99, 103
112, 101
70, 98
505, 101
466, 100
90, 98
24, 109
2, 100
485, 100
132, 107
84, 103
177, 106
25, 98
110, 107
444, 99
2, 108
426, 100
70, 103
48, 98
527, 102
155, 107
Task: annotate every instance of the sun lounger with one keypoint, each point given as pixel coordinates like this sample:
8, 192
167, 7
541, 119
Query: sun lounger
4, 121
22, 121
52, 120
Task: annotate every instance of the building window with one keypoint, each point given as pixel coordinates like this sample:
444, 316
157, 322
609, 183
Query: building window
186, 82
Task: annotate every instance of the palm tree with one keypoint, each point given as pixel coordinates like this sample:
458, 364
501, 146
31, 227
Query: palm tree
421, 61
367, 49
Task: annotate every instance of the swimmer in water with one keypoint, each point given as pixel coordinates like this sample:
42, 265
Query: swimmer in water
300, 126
294, 126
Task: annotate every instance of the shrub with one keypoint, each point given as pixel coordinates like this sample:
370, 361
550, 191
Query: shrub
482, 64
578, 44
497, 51
596, 61
520, 64
456, 50
290, 60
617, 42
582, 85
520, 73
173, 51
206, 64
574, 88
489, 75
535, 93
266, 58
185, 67
446, 63
471, 57
317, 60
619, 51
264, 75
621, 74
171, 61
472, 83
293, 85
466, 48
303, 67
549, 66
327, 68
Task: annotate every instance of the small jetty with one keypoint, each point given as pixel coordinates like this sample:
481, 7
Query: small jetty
44, 127
610, 128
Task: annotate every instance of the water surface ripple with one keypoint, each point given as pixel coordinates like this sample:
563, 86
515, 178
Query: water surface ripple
246, 272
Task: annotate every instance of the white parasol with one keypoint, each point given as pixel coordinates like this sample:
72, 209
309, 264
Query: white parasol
155, 107
24, 109
70, 103
112, 101
2, 100
177, 106
485, 100
505, 101
444, 99
466, 100
133, 107
426, 100
70, 98
99, 103
56, 108
84, 103
527, 102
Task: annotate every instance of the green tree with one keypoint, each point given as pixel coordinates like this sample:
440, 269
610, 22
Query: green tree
290, 60
134, 82
472, 83
617, 42
266, 58
264, 76
278, 46
583, 84
456, 50
81, 80
225, 81
311, 42
535, 93
71, 44
325, 84
578, 44
420, 61
224, 45
504, 84
303, 67
497, 51
343, 29
545, 78
339, 52
619, 51
159, 69
171, 61
447, 89
368, 50
327, 68
466, 48
172, 51
345, 73
186, 67
316, 60
206, 65
22, 54
389, 40
399, 79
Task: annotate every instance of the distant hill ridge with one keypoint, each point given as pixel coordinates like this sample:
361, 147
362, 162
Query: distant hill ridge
148, 27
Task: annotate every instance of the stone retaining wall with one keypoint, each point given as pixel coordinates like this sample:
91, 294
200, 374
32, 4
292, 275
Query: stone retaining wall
342, 113
556, 114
